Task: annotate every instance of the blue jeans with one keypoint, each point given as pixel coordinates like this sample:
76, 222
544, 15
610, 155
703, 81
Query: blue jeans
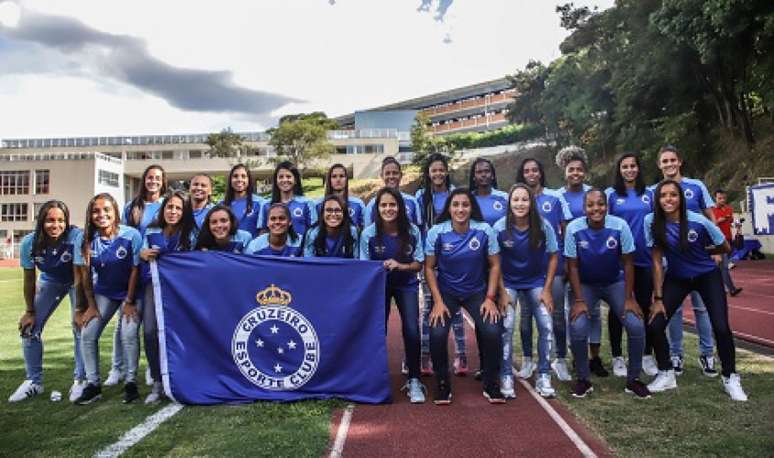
407, 301
458, 325
150, 328
580, 328
703, 326
48, 295
529, 300
559, 292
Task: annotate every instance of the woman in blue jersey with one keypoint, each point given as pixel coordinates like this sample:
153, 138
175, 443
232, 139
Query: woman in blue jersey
200, 190
396, 242
337, 182
281, 240
482, 182
286, 189
391, 175
335, 236
631, 200
220, 232
107, 260
174, 230
242, 200
556, 213
528, 259
595, 247
464, 250
49, 249
682, 237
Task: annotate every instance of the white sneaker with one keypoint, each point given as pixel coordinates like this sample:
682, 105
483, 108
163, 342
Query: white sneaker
506, 387
560, 369
114, 378
619, 366
527, 368
415, 391
26, 390
76, 390
649, 365
148, 377
665, 380
543, 386
733, 386
156, 394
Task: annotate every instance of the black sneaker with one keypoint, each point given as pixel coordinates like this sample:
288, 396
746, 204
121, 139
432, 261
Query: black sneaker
478, 375
677, 364
443, 395
736, 292
707, 364
90, 394
131, 393
638, 389
596, 367
582, 388
493, 395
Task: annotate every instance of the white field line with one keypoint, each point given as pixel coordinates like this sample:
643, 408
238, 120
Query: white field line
341, 434
137, 433
748, 309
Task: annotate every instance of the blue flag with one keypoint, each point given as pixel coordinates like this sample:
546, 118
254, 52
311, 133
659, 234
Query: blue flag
236, 328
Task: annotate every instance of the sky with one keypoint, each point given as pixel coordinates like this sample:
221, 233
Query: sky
83, 68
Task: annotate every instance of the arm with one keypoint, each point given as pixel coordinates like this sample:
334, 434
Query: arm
27, 321
630, 305
658, 283
545, 296
439, 308
723, 248
130, 306
86, 309
580, 306
489, 307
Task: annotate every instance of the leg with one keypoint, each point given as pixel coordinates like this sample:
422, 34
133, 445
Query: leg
130, 340
525, 329
488, 335
615, 333
150, 334
674, 292
439, 335
703, 325
408, 307
387, 306
727, 280
710, 287
506, 365
458, 327
676, 333
643, 293
48, 295
117, 363
79, 371
531, 299
425, 329
559, 295
90, 336
635, 328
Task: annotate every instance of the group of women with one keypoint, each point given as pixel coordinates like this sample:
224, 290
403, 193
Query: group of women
557, 253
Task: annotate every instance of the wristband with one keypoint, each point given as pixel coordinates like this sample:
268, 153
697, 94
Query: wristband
31, 312
657, 298
491, 297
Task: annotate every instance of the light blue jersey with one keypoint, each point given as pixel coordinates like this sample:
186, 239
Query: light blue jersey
54, 263
633, 208
598, 251
300, 214
412, 210
493, 206
260, 246
112, 261
200, 214
554, 211
334, 247
355, 206
380, 248
697, 197
149, 213
247, 217
695, 260
574, 200
524, 267
155, 238
439, 201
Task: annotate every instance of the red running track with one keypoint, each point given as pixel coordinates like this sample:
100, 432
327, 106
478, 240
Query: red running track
751, 312
470, 426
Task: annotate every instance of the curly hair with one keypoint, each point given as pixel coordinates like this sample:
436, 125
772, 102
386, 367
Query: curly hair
569, 154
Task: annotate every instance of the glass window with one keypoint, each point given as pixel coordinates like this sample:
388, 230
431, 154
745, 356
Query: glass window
107, 178
13, 212
36, 210
195, 154
14, 182
42, 178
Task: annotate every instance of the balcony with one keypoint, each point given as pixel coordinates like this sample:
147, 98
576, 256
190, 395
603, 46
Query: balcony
471, 124
478, 102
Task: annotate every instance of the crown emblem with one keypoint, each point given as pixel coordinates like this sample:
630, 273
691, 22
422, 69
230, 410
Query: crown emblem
273, 296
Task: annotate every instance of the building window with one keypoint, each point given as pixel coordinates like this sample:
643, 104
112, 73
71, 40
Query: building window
13, 212
108, 178
36, 210
15, 182
42, 181
195, 154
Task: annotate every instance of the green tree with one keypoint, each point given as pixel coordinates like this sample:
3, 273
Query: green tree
301, 141
224, 144
424, 143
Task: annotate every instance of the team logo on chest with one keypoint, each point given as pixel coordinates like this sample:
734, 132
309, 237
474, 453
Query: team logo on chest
66, 257
693, 235
547, 206
409, 250
688, 193
121, 252
351, 212
298, 212
474, 244
497, 205
275, 347
611, 243
645, 199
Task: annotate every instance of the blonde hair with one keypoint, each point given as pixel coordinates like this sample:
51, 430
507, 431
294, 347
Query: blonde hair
569, 154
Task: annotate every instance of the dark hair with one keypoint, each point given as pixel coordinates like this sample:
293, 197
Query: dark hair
520, 171
230, 189
667, 148
659, 217
591, 191
619, 184
41, 239
90, 231
390, 160
292, 235
720, 191
403, 223
328, 189
297, 189
428, 209
475, 209
536, 234
206, 239
472, 175
137, 204
320, 247
209, 198
187, 223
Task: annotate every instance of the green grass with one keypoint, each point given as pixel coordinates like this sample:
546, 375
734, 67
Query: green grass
39, 427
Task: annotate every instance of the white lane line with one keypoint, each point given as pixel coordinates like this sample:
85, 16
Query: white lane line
579, 443
341, 434
137, 433
748, 309
754, 338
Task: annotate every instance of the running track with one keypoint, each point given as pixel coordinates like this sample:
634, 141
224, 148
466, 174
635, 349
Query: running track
468, 427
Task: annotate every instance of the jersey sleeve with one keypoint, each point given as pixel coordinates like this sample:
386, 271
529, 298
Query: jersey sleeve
706, 199
355, 241
313, 216
365, 239
627, 239
715, 234
25, 252
566, 213
493, 247
136, 247
569, 243
77, 250
432, 237
309, 242
368, 213
262, 221
551, 244
417, 215
419, 253
648, 229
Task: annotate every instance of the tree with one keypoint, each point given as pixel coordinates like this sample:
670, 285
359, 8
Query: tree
224, 144
316, 117
424, 143
301, 141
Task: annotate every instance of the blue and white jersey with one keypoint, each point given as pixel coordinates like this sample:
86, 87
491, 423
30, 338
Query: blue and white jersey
697, 197
375, 248
260, 246
462, 259
55, 263
237, 243
149, 213
155, 238
524, 267
554, 211
112, 261
300, 213
412, 210
574, 200
200, 213
493, 206
439, 201
695, 260
633, 208
333, 246
247, 217
598, 251
355, 206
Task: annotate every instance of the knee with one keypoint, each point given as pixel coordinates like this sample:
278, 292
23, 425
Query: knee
579, 329
634, 326
657, 326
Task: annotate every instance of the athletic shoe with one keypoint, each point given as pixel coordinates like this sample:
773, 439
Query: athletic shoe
427, 365
90, 394
443, 395
478, 375
543, 386
415, 391
638, 389
130, 392
582, 389
619, 366
731, 265
506, 387
707, 364
677, 364
460, 365
26, 390
736, 292
76, 390
527, 368
597, 368
665, 380
560, 369
114, 378
156, 394
733, 386
493, 395
148, 377
649, 365
403, 368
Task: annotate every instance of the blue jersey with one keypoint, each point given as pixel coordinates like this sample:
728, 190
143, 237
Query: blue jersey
695, 260
200, 213
260, 246
334, 247
54, 263
461, 259
112, 261
493, 206
236, 244
247, 217
574, 200
439, 201
300, 214
633, 208
524, 267
355, 206
412, 210
554, 211
598, 251
155, 238
375, 248
697, 197
149, 213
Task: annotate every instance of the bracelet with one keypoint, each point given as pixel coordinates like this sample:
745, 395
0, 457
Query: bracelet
31, 312
657, 298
